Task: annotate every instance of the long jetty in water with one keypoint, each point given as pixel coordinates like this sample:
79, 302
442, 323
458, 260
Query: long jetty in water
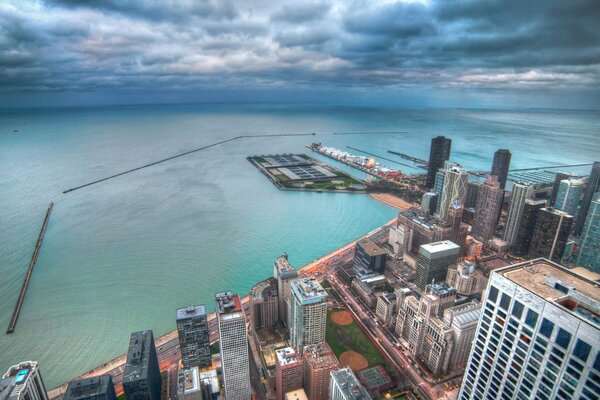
180, 155
34, 257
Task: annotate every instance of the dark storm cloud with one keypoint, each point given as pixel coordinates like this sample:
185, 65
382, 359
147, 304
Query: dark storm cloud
194, 44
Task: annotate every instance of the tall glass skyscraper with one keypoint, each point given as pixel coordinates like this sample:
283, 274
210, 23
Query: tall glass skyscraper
501, 165
454, 188
592, 187
568, 195
438, 154
538, 336
520, 193
588, 254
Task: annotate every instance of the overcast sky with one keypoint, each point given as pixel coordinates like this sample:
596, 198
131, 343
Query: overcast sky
464, 52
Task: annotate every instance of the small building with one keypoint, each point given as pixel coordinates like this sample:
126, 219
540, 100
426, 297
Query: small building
385, 307
369, 256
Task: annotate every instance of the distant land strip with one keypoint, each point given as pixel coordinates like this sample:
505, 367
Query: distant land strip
177, 156
370, 133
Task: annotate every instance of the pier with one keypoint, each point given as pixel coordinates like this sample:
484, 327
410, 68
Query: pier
416, 160
383, 158
34, 257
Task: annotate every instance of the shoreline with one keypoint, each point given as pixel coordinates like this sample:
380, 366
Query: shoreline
120, 360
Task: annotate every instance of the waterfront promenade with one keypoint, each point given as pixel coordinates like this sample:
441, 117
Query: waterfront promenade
168, 345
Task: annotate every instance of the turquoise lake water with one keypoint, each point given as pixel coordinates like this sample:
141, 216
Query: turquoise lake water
122, 255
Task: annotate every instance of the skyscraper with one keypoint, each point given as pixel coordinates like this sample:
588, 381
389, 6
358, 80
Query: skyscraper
568, 195
501, 165
527, 226
429, 202
588, 254
94, 388
233, 340
489, 201
319, 361
560, 176
520, 193
308, 313
472, 192
141, 379
23, 382
550, 235
455, 188
433, 262
345, 386
538, 337
289, 371
285, 274
438, 154
194, 341
592, 187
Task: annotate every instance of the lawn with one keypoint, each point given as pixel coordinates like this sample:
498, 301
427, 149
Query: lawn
350, 337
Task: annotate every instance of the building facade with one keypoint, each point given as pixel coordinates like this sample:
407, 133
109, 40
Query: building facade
94, 388
141, 379
385, 307
233, 340
319, 361
501, 165
551, 233
520, 194
592, 187
285, 274
429, 202
568, 195
466, 279
264, 304
308, 313
23, 382
289, 371
345, 386
454, 188
194, 340
487, 210
538, 336
560, 176
433, 262
527, 226
438, 154
472, 193
588, 253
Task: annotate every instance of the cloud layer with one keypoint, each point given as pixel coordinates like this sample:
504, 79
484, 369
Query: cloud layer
98, 46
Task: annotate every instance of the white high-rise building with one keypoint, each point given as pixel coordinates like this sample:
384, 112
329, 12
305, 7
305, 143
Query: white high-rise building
23, 382
454, 188
233, 339
308, 309
345, 386
520, 193
538, 337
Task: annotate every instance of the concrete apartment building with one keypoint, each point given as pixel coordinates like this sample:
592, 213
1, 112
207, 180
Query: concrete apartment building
308, 316
520, 194
264, 304
538, 337
345, 386
233, 339
466, 278
289, 371
487, 209
285, 274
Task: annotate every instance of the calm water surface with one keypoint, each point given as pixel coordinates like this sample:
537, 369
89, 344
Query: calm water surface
120, 256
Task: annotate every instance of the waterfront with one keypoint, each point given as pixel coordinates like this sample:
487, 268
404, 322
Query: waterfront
182, 230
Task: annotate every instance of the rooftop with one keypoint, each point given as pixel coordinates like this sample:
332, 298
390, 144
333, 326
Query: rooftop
349, 385
308, 290
557, 285
84, 388
287, 356
440, 247
188, 380
370, 248
138, 356
227, 303
191, 312
299, 394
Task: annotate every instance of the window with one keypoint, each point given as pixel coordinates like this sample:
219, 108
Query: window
582, 350
546, 328
563, 338
493, 296
505, 301
517, 310
531, 318
597, 362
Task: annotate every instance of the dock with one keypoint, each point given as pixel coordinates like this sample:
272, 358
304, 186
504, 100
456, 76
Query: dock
34, 257
408, 157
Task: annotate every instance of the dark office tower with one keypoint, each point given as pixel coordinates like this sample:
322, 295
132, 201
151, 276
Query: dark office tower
550, 235
94, 388
472, 191
433, 262
141, 379
559, 177
194, 341
369, 256
501, 165
593, 186
438, 154
527, 226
